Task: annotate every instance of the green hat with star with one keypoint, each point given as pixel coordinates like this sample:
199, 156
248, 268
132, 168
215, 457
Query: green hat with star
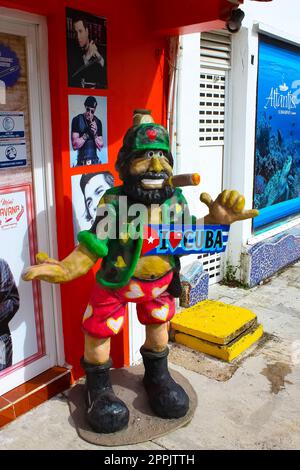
150, 136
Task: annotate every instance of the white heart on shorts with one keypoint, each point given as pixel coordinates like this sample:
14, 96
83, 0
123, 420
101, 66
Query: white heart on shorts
115, 325
156, 291
161, 313
88, 313
134, 291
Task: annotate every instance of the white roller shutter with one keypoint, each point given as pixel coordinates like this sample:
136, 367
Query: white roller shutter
215, 57
215, 49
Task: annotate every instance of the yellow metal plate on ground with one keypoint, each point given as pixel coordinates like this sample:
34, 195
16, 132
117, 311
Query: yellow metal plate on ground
214, 321
226, 352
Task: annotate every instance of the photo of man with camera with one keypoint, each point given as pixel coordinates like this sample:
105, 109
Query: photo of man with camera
86, 134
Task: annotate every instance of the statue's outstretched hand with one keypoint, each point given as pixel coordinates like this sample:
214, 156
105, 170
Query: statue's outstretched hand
227, 208
47, 269
76, 264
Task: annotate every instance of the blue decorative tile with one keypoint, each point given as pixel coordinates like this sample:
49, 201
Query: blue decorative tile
272, 254
195, 291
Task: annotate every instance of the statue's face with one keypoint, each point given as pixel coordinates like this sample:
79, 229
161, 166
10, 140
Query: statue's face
151, 169
146, 175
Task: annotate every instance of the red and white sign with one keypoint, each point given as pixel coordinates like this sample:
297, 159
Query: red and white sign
11, 212
18, 248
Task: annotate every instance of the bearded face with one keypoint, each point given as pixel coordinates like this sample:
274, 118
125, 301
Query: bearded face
146, 177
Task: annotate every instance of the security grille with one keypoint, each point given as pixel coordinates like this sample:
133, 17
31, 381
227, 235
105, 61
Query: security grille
212, 105
212, 264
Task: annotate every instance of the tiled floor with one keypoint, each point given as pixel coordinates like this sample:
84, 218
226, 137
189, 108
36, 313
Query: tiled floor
32, 393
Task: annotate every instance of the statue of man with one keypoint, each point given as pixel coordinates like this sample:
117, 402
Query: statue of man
145, 164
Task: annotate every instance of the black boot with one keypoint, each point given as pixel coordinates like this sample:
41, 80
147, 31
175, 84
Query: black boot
105, 412
167, 398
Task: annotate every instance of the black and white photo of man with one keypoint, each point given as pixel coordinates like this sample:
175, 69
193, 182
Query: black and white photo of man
86, 46
87, 190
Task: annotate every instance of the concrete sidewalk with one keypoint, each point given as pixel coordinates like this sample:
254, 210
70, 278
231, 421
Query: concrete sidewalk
253, 403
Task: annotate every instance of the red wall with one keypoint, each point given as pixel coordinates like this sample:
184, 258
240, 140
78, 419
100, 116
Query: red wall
189, 16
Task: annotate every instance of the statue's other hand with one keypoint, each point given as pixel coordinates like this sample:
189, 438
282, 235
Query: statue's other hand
227, 208
47, 269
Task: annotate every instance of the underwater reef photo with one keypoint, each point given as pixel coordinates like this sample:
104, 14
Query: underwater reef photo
277, 163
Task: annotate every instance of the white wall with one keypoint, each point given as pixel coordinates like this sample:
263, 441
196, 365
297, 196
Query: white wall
281, 18
281, 14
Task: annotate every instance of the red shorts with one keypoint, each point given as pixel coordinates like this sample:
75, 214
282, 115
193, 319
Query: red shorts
104, 316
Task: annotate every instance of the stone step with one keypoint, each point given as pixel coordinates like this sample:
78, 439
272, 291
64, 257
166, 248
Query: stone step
226, 352
214, 321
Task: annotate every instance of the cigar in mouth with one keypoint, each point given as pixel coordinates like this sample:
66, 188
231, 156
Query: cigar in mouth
186, 179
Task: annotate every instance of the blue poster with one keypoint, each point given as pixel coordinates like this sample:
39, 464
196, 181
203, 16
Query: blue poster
9, 66
277, 149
